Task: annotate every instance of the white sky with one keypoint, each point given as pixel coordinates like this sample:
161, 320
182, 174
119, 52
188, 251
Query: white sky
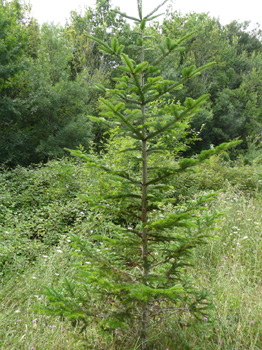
58, 11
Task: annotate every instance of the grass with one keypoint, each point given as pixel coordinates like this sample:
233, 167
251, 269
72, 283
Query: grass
229, 267
21, 325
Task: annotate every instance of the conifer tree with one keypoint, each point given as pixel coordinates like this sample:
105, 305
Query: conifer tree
138, 270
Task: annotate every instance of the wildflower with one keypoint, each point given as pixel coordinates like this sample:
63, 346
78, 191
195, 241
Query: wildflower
87, 262
251, 321
35, 320
219, 342
45, 256
59, 251
205, 319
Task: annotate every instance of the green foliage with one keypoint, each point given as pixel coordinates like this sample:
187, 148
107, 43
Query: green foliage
138, 227
13, 40
231, 106
35, 211
47, 74
106, 25
13, 43
42, 105
229, 266
141, 262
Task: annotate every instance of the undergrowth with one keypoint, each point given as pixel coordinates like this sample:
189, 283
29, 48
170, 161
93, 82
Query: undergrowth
39, 208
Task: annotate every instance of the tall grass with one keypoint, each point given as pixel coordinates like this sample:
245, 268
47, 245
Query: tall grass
229, 267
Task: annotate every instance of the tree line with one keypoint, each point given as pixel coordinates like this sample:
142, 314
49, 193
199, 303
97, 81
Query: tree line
47, 75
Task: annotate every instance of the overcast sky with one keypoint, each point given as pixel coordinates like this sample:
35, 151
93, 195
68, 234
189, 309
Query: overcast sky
58, 11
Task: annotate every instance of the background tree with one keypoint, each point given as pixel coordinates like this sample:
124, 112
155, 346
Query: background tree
14, 41
233, 48
42, 108
47, 73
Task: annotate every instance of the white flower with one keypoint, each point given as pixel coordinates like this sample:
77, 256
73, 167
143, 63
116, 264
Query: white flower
87, 262
59, 251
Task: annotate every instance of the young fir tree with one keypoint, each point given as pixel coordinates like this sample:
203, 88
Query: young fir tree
138, 271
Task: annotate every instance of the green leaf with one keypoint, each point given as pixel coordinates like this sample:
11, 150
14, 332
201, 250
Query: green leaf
101, 121
186, 72
140, 41
128, 62
106, 49
143, 24
120, 49
198, 70
103, 45
100, 87
141, 67
125, 69
114, 44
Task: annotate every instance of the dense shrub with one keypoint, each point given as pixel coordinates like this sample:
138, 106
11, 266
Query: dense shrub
39, 205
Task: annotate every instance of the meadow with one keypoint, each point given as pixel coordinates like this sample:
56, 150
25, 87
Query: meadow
40, 209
